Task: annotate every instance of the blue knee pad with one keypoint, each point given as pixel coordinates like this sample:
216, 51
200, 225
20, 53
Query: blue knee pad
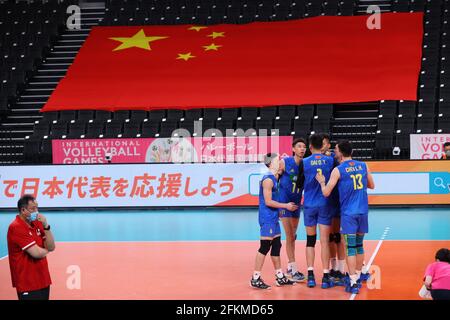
359, 244
351, 244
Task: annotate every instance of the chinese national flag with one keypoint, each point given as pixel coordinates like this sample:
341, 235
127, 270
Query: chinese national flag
317, 60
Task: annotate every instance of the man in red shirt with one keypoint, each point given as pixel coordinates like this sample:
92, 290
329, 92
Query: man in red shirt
29, 242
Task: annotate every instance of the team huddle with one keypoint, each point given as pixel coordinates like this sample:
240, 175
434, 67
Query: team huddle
334, 189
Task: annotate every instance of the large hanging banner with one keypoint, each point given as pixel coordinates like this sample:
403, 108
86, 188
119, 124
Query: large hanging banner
185, 185
316, 60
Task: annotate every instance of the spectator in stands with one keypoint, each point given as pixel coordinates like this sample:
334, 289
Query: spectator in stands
437, 276
446, 153
29, 241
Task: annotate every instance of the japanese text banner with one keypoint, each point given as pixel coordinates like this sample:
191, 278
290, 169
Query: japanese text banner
127, 185
185, 185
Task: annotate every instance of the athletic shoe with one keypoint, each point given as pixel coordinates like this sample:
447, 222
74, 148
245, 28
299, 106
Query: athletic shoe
333, 273
258, 284
364, 277
298, 277
327, 282
354, 289
311, 282
359, 283
339, 279
289, 272
347, 279
284, 281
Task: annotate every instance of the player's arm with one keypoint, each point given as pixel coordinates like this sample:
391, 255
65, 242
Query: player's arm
37, 252
327, 188
301, 176
427, 282
370, 182
267, 191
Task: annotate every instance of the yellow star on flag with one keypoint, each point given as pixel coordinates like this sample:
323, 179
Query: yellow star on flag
197, 28
212, 46
185, 56
139, 40
216, 35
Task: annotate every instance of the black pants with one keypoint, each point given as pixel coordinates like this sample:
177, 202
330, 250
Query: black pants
41, 294
440, 294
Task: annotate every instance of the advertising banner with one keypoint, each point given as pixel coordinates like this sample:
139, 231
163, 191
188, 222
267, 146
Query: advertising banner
428, 146
211, 184
158, 150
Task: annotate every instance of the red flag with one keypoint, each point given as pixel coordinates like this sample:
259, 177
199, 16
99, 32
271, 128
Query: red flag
316, 60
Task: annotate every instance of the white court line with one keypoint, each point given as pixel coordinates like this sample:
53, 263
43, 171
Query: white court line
3, 257
374, 254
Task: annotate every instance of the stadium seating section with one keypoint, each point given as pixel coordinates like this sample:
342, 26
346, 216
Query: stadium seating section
37, 49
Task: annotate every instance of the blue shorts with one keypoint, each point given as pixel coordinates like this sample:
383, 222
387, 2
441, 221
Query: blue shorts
354, 223
270, 229
317, 215
335, 211
283, 197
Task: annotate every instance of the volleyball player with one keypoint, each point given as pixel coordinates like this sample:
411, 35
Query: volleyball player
316, 209
289, 192
270, 232
337, 248
352, 178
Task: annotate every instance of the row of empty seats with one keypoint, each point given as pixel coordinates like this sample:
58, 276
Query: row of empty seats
388, 128
290, 120
27, 30
223, 11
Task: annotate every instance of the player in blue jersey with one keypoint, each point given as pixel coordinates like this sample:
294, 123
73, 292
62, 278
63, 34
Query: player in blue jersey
289, 192
352, 179
337, 248
316, 209
326, 145
270, 232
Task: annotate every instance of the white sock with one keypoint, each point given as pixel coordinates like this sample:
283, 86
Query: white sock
358, 273
279, 273
326, 271
256, 274
364, 269
353, 279
310, 268
333, 263
341, 265
293, 267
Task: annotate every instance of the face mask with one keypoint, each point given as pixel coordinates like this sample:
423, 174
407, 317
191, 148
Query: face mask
447, 153
33, 216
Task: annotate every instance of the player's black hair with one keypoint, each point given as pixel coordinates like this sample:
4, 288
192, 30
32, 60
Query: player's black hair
24, 200
269, 157
443, 255
345, 147
325, 136
297, 141
447, 144
316, 141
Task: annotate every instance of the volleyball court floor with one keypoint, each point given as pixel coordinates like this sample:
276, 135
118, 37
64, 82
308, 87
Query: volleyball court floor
209, 254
